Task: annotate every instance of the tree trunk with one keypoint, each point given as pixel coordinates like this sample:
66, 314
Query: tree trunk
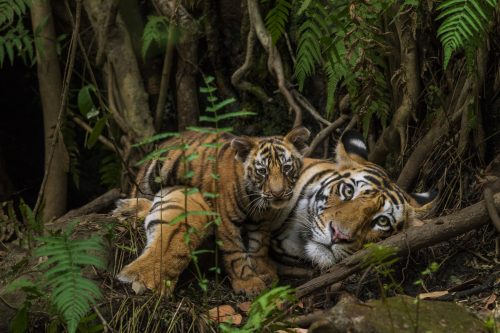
128, 89
50, 83
187, 89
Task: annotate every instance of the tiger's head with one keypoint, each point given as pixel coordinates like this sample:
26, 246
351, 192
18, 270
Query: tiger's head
272, 166
356, 205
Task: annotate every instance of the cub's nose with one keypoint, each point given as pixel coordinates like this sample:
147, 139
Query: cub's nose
338, 236
278, 193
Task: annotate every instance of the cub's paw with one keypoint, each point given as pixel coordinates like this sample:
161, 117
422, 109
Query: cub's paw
127, 208
252, 286
267, 273
143, 278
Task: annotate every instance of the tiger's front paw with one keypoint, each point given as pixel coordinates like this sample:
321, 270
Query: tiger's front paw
251, 287
267, 272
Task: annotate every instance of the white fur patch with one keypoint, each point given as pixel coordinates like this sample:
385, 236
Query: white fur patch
358, 143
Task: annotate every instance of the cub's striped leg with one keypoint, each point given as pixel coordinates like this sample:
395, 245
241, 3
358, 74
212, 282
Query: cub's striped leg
167, 253
239, 265
258, 251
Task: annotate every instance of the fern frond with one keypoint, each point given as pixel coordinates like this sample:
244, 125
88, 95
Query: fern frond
314, 29
9, 9
464, 22
155, 32
72, 293
277, 18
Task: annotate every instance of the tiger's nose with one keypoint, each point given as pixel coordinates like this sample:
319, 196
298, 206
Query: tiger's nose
338, 236
278, 193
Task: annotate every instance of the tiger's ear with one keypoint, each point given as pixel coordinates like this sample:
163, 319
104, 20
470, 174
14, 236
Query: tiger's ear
298, 137
423, 203
242, 146
351, 148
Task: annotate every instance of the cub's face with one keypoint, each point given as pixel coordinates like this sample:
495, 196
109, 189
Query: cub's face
355, 206
272, 166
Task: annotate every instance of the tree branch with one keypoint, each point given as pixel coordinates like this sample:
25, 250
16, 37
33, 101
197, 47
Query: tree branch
432, 232
324, 133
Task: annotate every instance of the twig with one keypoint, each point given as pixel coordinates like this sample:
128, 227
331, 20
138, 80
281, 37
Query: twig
87, 128
166, 71
432, 232
488, 284
309, 108
105, 325
492, 211
324, 133
274, 61
64, 96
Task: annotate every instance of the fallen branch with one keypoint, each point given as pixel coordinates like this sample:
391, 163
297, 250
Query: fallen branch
432, 232
95, 206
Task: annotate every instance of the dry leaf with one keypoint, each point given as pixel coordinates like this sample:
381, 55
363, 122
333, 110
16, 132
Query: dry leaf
293, 330
490, 300
244, 307
225, 314
433, 294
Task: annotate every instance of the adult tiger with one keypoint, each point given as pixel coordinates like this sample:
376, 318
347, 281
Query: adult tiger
251, 190
342, 206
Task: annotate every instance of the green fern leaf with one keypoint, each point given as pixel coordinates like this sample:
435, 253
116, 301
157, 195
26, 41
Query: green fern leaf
464, 22
277, 18
155, 32
72, 294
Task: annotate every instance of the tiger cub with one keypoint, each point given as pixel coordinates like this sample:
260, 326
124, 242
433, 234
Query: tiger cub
342, 206
167, 253
256, 179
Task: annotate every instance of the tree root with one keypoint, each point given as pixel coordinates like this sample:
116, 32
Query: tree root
274, 61
432, 232
324, 133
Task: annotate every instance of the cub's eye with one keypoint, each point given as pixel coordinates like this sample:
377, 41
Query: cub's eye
346, 191
287, 167
261, 171
383, 222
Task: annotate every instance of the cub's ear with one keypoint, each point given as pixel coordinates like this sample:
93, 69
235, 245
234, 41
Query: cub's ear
424, 202
242, 146
299, 137
351, 148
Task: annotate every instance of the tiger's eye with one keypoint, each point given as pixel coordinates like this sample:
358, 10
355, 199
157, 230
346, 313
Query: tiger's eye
383, 222
346, 191
261, 171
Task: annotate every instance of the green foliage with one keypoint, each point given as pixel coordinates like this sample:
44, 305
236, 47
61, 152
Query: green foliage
343, 40
110, 171
464, 24
264, 311
10, 10
277, 19
71, 293
15, 39
155, 33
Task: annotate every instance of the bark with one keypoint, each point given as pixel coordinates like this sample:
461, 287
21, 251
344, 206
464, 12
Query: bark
50, 85
396, 131
324, 134
130, 96
432, 232
188, 111
97, 205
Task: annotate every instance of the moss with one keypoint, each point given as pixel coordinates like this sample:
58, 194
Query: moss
399, 314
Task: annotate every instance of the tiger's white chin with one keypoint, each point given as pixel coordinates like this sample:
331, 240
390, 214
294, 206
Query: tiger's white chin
321, 255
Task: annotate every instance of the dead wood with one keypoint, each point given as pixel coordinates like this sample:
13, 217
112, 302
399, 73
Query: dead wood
432, 232
95, 206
